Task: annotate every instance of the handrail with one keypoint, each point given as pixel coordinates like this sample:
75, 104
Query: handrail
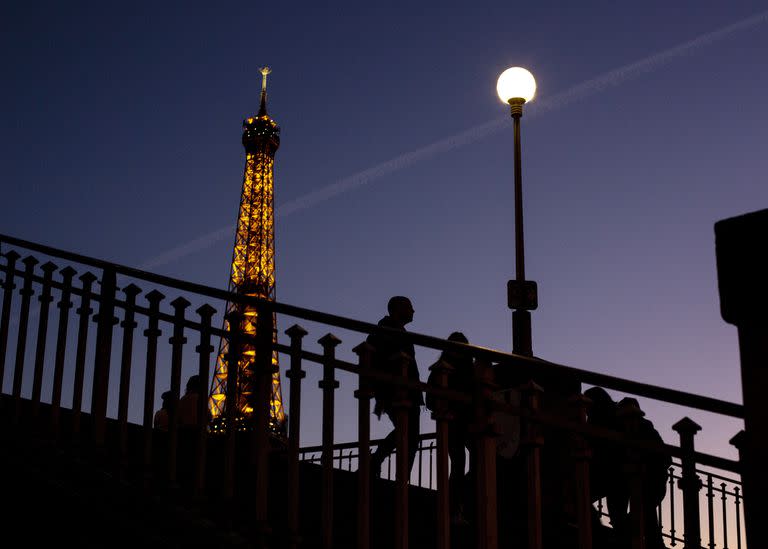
593, 378
433, 436
351, 445
543, 418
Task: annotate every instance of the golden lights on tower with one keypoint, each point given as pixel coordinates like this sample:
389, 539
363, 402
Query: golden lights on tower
253, 262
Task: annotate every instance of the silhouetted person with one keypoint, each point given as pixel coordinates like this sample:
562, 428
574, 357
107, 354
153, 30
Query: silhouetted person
460, 378
606, 479
189, 402
386, 349
161, 416
654, 467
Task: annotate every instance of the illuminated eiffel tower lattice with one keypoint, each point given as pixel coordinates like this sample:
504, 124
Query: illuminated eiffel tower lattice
253, 263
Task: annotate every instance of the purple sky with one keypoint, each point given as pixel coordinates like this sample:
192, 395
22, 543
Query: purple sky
121, 140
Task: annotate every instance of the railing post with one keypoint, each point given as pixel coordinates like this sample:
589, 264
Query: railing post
739, 442
84, 311
328, 384
442, 416
364, 394
152, 333
5, 317
64, 305
689, 483
128, 325
204, 350
177, 341
295, 374
532, 440
581, 456
26, 293
42, 335
485, 446
671, 484
737, 500
264, 369
724, 515
105, 321
711, 509
432, 449
401, 406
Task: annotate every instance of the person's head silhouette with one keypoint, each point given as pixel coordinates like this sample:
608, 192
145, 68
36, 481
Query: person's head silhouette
193, 384
452, 356
603, 407
629, 406
166, 397
400, 310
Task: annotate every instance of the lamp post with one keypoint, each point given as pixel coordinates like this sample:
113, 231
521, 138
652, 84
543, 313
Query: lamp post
516, 86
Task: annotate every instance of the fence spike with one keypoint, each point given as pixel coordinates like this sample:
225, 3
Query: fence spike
328, 384
42, 335
152, 333
177, 341
689, 483
26, 293
128, 325
295, 374
5, 317
64, 305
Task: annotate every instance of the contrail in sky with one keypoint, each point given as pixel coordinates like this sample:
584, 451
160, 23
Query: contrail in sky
571, 95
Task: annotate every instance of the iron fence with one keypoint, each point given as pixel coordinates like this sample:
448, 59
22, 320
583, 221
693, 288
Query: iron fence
720, 495
132, 303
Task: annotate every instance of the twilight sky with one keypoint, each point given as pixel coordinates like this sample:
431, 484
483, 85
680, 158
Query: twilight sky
120, 139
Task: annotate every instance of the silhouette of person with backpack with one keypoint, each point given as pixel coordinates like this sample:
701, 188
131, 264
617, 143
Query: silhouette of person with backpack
460, 378
385, 360
606, 479
653, 467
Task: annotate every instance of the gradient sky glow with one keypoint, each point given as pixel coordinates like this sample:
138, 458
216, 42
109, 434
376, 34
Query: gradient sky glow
120, 139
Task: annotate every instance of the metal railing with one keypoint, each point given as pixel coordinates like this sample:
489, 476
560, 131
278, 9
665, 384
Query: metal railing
131, 305
720, 495
345, 458
722, 498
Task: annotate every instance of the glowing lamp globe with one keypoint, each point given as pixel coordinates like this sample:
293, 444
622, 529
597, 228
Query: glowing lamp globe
516, 83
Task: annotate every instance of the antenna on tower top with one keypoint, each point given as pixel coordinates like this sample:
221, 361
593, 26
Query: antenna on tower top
263, 107
264, 72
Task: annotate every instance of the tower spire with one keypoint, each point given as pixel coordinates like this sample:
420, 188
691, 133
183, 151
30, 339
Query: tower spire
263, 106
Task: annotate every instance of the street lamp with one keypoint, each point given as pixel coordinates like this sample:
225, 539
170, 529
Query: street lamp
516, 86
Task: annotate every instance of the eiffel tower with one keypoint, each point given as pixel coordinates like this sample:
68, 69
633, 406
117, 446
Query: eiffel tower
253, 263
